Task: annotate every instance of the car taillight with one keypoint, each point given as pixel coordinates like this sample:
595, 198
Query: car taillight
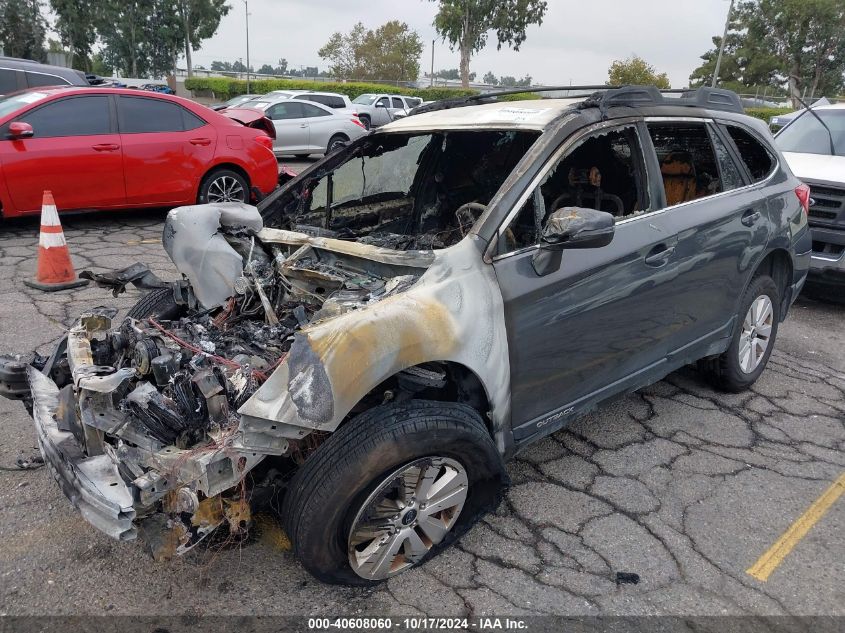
803, 193
264, 140
357, 122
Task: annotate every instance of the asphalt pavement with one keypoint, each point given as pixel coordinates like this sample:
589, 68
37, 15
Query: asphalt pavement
683, 486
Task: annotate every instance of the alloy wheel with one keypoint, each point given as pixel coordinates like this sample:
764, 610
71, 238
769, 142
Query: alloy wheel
408, 513
226, 189
756, 333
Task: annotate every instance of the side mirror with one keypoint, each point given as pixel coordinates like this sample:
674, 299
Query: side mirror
571, 227
19, 130
379, 104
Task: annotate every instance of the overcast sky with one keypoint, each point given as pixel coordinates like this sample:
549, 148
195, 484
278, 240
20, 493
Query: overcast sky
577, 41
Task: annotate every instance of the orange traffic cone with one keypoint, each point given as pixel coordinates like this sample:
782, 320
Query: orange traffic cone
55, 270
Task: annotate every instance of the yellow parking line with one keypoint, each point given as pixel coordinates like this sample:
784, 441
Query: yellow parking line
768, 562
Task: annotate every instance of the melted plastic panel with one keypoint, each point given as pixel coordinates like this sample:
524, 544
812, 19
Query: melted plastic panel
194, 243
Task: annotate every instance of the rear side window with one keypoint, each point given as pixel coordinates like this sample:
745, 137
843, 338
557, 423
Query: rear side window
412, 102
397, 103
143, 116
326, 100
75, 116
35, 80
758, 160
8, 81
285, 110
687, 161
312, 111
730, 173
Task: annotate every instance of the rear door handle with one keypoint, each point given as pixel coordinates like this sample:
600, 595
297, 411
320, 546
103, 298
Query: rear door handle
750, 217
659, 255
200, 141
304, 125
105, 147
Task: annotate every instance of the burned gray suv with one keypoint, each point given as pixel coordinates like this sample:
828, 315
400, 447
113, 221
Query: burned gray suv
370, 344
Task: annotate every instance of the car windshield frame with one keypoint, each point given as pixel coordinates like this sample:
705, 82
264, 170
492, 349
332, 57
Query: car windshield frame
793, 137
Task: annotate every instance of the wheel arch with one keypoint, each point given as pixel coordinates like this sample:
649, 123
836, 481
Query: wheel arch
778, 265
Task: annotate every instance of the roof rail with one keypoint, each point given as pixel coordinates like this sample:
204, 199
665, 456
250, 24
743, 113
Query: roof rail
603, 96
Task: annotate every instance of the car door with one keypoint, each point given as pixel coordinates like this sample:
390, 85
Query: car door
166, 150
396, 105
75, 152
292, 130
381, 116
600, 323
720, 225
322, 125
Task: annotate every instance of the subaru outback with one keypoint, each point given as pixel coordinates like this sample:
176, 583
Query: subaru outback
370, 344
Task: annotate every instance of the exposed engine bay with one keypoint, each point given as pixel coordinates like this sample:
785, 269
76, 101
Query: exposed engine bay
164, 421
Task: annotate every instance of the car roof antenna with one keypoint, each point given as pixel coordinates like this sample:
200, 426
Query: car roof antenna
824, 125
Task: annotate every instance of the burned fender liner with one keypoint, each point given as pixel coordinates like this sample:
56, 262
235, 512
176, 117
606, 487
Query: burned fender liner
139, 275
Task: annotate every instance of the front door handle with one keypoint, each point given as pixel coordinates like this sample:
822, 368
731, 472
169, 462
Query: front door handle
200, 141
105, 147
659, 255
750, 217
304, 125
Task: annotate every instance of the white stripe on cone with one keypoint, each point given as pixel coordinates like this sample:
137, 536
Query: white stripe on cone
49, 215
51, 240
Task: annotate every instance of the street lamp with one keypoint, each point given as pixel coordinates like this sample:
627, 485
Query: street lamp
722, 46
431, 83
246, 11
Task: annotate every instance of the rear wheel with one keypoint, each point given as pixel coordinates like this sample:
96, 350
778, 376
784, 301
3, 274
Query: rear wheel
336, 142
223, 185
754, 338
390, 489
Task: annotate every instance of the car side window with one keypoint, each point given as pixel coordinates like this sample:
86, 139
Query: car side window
191, 121
603, 171
35, 80
74, 116
687, 161
313, 111
284, 110
397, 103
8, 81
138, 115
730, 173
758, 160
384, 102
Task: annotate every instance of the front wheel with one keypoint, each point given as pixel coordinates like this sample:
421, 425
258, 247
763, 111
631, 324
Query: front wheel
223, 185
158, 303
390, 489
754, 338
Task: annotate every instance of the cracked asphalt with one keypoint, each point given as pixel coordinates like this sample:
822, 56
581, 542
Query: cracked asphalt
684, 486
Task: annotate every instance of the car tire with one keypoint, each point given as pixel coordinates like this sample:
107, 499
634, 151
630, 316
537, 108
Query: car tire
365, 121
158, 303
754, 337
301, 156
330, 491
335, 142
223, 185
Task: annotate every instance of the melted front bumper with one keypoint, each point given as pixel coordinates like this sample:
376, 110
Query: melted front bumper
92, 484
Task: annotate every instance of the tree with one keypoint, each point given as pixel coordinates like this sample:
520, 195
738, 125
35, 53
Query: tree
266, 69
140, 37
76, 25
219, 66
282, 68
805, 40
452, 73
23, 29
392, 52
635, 71
490, 79
465, 24
200, 19
344, 53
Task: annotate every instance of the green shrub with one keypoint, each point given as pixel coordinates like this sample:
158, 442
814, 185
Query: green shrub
766, 113
225, 88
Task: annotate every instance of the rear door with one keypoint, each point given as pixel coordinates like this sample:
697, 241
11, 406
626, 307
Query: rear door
322, 123
166, 150
75, 152
602, 322
722, 228
292, 130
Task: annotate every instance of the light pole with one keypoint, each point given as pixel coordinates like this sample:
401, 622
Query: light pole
246, 11
722, 46
431, 83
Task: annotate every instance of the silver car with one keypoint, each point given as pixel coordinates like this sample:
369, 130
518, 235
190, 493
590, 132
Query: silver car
304, 127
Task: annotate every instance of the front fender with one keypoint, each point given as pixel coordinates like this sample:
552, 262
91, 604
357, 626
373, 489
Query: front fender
453, 313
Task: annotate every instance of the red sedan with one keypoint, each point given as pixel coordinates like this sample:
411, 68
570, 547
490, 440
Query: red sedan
104, 148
